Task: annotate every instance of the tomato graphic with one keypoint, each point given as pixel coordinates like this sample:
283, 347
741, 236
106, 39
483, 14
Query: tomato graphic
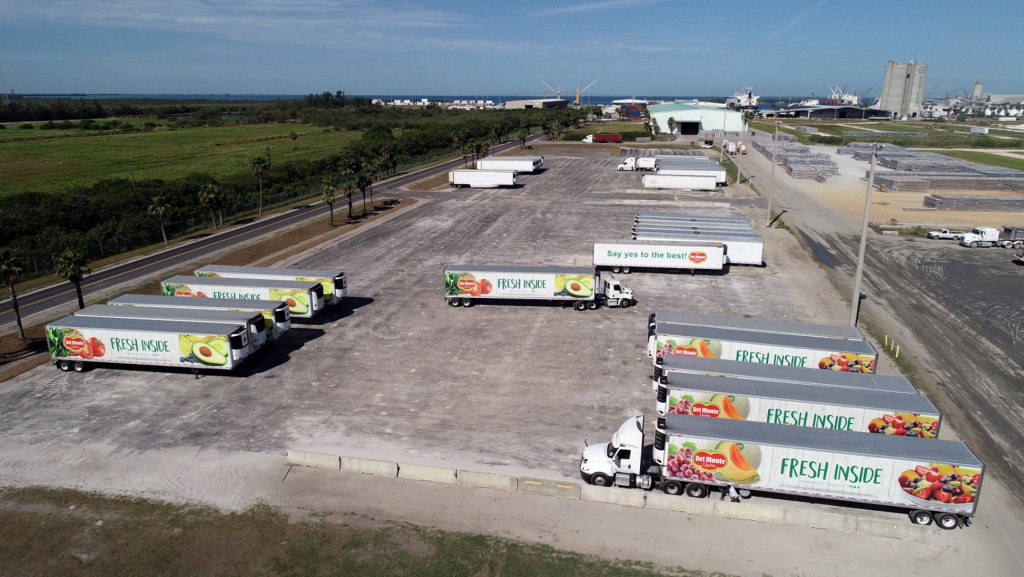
485, 287
97, 347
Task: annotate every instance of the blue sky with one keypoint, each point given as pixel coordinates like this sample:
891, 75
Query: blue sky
420, 47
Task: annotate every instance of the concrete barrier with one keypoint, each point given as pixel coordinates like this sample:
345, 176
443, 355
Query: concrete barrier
682, 503
487, 480
310, 459
550, 488
369, 467
899, 527
614, 495
820, 520
749, 510
426, 473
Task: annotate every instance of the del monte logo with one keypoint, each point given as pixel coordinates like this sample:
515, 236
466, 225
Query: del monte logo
698, 257
467, 284
710, 461
705, 410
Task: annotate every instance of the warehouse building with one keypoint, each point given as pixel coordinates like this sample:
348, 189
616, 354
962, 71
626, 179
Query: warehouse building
537, 103
693, 117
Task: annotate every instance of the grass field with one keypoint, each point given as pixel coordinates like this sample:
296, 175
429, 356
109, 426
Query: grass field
47, 532
55, 159
990, 159
943, 135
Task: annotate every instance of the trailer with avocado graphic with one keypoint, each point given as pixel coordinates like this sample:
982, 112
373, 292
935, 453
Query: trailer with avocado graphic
582, 287
305, 299
276, 315
76, 343
938, 481
335, 282
799, 404
625, 256
251, 320
765, 347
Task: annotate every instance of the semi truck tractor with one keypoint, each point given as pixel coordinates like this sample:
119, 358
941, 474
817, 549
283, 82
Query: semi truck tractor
1009, 237
938, 481
275, 313
251, 320
740, 247
799, 404
767, 348
582, 287
335, 282
678, 182
305, 299
521, 164
482, 178
844, 332
682, 366
626, 256
76, 343
639, 163
597, 138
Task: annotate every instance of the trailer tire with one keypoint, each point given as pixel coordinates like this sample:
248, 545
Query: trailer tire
745, 493
79, 366
616, 269
947, 521
64, 366
625, 270
672, 488
467, 302
696, 490
600, 480
580, 306
453, 302
592, 305
921, 517
974, 244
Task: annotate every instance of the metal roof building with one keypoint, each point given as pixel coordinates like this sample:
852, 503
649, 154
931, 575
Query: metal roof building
694, 117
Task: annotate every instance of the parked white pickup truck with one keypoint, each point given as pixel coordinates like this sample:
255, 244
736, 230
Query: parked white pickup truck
945, 233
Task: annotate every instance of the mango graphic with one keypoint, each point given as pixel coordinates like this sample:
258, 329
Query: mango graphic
733, 407
706, 348
744, 459
210, 353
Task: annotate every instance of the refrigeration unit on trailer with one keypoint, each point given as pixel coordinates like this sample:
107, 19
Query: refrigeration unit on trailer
937, 480
334, 281
482, 178
799, 404
77, 342
626, 256
678, 182
305, 299
583, 287
740, 248
522, 164
760, 347
844, 332
275, 313
252, 320
682, 367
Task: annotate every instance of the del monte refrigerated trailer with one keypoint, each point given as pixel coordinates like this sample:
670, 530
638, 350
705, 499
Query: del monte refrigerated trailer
582, 287
335, 282
760, 347
741, 247
844, 332
76, 342
934, 480
861, 410
305, 299
275, 313
625, 256
252, 320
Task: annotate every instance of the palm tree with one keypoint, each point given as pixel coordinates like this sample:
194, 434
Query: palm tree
72, 265
671, 125
158, 209
293, 136
522, 135
208, 194
11, 265
350, 189
259, 169
364, 180
329, 187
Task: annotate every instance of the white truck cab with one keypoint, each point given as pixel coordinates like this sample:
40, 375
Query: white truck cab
617, 462
617, 294
980, 236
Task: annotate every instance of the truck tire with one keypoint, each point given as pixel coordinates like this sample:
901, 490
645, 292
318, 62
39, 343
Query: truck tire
625, 270
592, 305
672, 488
580, 306
453, 302
616, 269
467, 302
79, 366
696, 490
921, 517
974, 244
64, 366
600, 480
947, 521
625, 303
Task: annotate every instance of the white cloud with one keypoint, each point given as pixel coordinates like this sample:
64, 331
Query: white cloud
594, 7
793, 22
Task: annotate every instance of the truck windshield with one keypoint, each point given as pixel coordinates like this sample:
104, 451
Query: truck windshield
610, 451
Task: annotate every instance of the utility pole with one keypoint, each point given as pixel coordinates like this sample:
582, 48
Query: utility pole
855, 299
268, 157
771, 179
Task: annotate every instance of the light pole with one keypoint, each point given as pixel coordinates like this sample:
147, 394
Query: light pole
771, 179
855, 299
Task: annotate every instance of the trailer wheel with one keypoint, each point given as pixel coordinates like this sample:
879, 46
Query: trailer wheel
467, 302
453, 302
745, 493
974, 244
79, 366
921, 517
625, 303
616, 269
600, 480
592, 305
672, 488
625, 270
947, 521
64, 366
580, 306
696, 490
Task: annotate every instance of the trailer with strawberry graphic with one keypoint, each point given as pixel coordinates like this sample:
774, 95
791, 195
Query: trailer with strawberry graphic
581, 287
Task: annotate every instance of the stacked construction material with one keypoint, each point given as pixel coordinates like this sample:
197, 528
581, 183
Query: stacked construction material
916, 171
975, 203
882, 134
800, 162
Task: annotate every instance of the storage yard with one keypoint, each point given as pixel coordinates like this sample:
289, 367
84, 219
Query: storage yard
514, 388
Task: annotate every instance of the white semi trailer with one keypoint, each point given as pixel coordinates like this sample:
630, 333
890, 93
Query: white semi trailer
645, 163
251, 320
482, 178
679, 182
582, 287
626, 256
334, 281
844, 332
305, 299
522, 164
275, 313
740, 248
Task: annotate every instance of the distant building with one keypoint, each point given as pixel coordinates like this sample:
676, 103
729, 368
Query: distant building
537, 103
693, 117
903, 89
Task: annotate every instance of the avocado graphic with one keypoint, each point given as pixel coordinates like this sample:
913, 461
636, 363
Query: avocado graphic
297, 303
208, 355
577, 289
588, 281
220, 345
